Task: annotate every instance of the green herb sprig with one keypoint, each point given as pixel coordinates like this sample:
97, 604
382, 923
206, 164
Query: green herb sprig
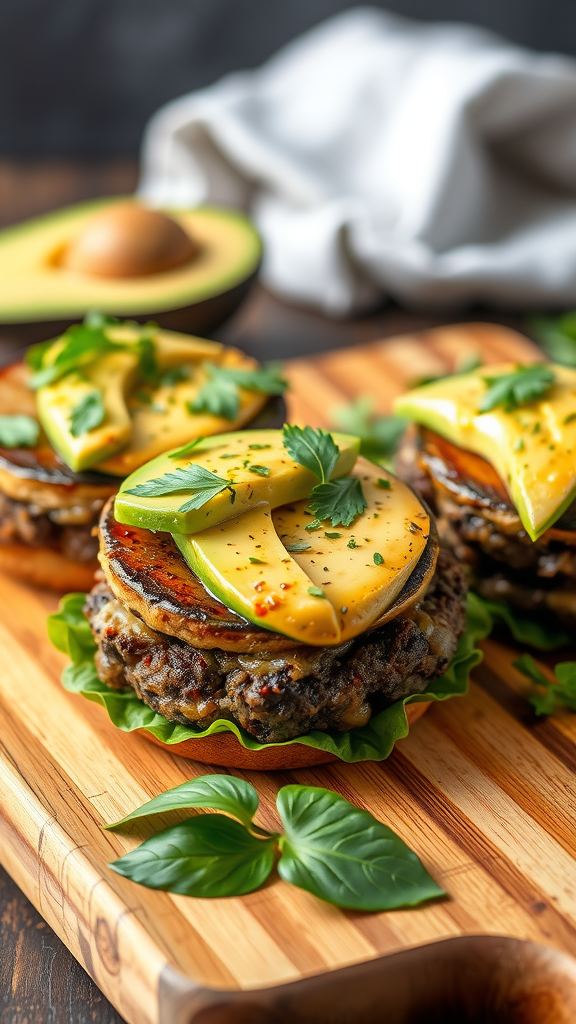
85, 342
557, 336
522, 385
329, 847
200, 482
340, 501
87, 414
18, 432
550, 694
379, 435
220, 393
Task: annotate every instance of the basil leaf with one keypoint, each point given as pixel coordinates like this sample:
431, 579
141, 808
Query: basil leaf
207, 856
219, 792
87, 414
18, 432
200, 481
340, 501
313, 449
346, 856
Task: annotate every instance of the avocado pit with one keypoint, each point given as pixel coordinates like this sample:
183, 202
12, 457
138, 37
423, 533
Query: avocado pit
128, 240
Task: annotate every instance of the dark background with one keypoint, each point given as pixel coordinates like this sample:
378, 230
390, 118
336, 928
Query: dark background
79, 78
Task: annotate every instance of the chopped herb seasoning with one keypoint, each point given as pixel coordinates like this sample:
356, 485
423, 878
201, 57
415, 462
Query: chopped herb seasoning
384, 484
378, 560
316, 592
352, 543
519, 445
333, 536
260, 470
256, 561
299, 546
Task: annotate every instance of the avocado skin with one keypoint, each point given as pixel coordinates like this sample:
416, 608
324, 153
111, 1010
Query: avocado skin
201, 318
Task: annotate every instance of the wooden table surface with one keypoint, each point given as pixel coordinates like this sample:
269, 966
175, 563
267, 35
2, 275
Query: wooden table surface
39, 980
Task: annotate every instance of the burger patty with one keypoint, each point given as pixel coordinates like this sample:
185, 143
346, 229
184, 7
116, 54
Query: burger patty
29, 524
280, 696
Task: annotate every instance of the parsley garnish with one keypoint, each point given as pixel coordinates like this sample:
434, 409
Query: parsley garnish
378, 559
259, 447
316, 592
298, 546
256, 561
313, 449
523, 385
180, 453
85, 342
18, 432
201, 482
174, 376
352, 543
550, 695
87, 414
340, 500
379, 435
220, 393
384, 484
260, 470
333, 536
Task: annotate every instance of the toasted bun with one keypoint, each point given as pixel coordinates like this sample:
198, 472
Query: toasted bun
45, 567
224, 749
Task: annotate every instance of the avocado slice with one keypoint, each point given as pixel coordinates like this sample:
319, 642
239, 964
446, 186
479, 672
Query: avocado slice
272, 590
109, 379
255, 462
142, 420
312, 585
195, 296
532, 447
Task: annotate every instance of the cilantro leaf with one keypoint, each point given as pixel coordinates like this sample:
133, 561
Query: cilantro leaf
340, 501
379, 435
316, 592
260, 470
18, 432
201, 482
220, 396
87, 414
313, 449
523, 385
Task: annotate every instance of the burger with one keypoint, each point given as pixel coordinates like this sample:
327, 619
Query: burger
269, 599
86, 409
494, 453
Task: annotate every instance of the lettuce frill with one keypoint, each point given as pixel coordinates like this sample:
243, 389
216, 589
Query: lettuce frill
69, 631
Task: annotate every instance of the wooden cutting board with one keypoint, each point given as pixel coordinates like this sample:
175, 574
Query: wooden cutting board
480, 790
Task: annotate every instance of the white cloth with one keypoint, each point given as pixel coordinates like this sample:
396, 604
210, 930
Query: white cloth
383, 156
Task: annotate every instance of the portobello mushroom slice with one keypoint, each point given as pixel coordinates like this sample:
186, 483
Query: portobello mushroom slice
149, 576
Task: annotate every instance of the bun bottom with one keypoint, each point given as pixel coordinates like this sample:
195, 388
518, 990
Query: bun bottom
224, 749
45, 567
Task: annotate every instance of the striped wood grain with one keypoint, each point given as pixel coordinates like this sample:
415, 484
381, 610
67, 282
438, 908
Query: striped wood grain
484, 795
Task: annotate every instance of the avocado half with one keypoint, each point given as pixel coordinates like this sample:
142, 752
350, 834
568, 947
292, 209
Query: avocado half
40, 297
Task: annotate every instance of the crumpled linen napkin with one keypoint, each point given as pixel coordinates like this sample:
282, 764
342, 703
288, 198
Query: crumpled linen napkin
380, 156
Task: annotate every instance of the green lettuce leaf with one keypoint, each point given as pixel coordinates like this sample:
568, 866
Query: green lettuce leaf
67, 630
527, 629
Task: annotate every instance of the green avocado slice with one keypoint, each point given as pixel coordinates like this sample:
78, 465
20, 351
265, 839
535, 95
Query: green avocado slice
532, 446
253, 466
319, 587
36, 287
